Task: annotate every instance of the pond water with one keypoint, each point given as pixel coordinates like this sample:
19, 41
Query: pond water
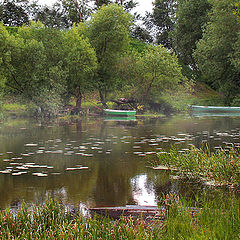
100, 162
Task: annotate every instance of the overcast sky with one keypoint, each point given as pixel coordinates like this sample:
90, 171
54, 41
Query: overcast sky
144, 5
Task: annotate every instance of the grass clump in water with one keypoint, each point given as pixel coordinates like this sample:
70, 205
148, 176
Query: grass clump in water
219, 167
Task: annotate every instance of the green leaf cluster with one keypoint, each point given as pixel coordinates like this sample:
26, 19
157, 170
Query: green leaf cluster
47, 66
108, 31
152, 72
215, 51
43, 64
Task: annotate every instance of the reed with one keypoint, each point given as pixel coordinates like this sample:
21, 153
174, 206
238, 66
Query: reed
53, 221
180, 220
203, 219
219, 167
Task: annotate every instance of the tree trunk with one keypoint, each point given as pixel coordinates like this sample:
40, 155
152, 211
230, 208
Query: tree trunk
79, 100
145, 97
102, 99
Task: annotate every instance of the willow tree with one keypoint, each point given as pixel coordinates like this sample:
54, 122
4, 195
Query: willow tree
21, 63
108, 32
81, 64
152, 74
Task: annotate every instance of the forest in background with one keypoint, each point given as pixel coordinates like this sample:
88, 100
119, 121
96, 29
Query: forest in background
102, 49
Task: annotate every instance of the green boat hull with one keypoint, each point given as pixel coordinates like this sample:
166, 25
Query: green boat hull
195, 108
119, 112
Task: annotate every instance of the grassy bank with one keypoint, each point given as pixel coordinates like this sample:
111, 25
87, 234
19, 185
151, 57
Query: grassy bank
216, 168
168, 103
213, 220
14, 109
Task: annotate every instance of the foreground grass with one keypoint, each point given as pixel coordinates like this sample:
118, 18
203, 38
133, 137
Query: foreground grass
213, 220
218, 167
52, 221
209, 219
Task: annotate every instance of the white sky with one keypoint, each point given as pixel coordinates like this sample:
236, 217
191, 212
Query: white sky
144, 5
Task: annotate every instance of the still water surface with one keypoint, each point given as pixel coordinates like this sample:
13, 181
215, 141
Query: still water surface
99, 162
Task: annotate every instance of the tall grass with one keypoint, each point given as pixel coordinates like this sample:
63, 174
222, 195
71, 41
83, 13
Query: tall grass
219, 167
53, 221
213, 220
210, 219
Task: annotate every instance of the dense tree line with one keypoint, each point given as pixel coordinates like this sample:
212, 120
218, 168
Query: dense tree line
205, 36
48, 65
49, 54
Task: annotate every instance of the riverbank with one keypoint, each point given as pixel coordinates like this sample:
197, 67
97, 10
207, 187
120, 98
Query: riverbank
200, 95
180, 219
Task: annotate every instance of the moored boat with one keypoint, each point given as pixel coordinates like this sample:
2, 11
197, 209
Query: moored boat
120, 112
196, 108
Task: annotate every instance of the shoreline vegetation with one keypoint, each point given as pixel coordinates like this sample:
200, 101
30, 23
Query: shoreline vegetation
55, 61
179, 219
213, 168
14, 107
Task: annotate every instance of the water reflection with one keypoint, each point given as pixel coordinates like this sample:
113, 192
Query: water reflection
100, 163
143, 192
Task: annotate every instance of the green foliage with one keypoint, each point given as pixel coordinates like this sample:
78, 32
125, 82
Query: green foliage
63, 13
13, 107
203, 219
52, 221
180, 219
218, 167
215, 49
80, 62
31, 65
236, 101
236, 9
191, 17
128, 5
179, 99
34, 68
137, 45
161, 21
235, 56
108, 32
80, 59
152, 73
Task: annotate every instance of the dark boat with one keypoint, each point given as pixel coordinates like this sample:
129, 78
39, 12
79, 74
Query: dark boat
134, 211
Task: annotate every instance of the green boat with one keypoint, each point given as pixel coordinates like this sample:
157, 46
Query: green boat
119, 112
195, 108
